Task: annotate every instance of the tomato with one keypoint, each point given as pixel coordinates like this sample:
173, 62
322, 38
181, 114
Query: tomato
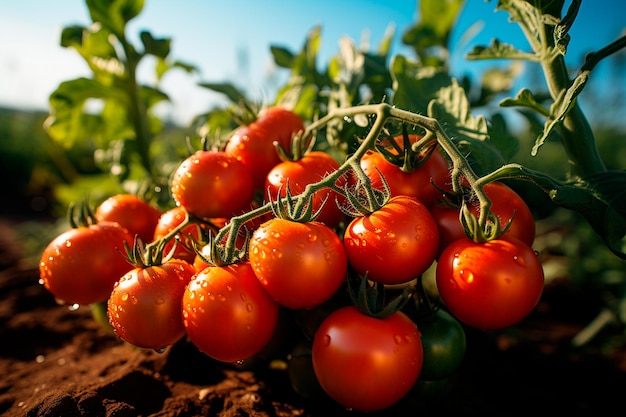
366, 363
132, 212
145, 304
168, 221
506, 204
448, 223
296, 175
444, 344
227, 314
416, 183
81, 265
212, 184
253, 144
301, 265
394, 244
489, 285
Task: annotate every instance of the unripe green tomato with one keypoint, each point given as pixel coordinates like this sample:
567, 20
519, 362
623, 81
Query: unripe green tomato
444, 343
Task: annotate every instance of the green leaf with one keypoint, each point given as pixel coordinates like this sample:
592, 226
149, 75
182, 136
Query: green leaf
561, 107
432, 32
470, 133
157, 47
415, 85
525, 98
499, 50
69, 122
114, 14
282, 56
229, 90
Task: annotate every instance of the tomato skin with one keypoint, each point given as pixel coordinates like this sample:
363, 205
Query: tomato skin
168, 221
490, 285
81, 265
366, 363
416, 183
444, 344
394, 244
301, 265
448, 223
212, 184
144, 307
253, 145
132, 212
296, 175
227, 314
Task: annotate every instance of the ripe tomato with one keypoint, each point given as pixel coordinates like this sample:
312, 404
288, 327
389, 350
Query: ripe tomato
301, 265
296, 175
168, 222
366, 363
253, 144
212, 184
144, 307
132, 212
489, 285
81, 265
416, 183
394, 244
227, 314
506, 203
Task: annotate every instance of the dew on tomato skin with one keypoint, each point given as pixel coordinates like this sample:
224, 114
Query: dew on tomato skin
73, 307
68, 243
249, 307
159, 300
311, 237
467, 276
243, 297
124, 296
276, 235
326, 340
160, 350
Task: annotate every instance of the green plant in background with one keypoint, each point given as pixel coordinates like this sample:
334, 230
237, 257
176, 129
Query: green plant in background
112, 110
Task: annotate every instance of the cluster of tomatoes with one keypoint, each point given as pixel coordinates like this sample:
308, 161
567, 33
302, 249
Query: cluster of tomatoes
300, 257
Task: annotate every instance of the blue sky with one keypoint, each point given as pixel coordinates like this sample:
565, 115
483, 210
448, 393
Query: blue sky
212, 35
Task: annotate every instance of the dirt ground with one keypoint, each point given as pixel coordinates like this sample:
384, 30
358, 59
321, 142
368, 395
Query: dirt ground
58, 362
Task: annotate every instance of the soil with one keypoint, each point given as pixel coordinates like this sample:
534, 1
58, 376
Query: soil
59, 362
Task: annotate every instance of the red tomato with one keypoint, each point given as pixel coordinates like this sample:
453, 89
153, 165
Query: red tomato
505, 204
301, 265
253, 144
132, 212
227, 314
416, 183
310, 169
145, 305
366, 363
81, 265
394, 244
489, 285
212, 184
168, 222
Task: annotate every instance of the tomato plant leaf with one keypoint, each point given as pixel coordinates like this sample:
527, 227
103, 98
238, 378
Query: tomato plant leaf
153, 46
283, 57
231, 92
414, 85
499, 50
525, 98
114, 14
561, 107
470, 133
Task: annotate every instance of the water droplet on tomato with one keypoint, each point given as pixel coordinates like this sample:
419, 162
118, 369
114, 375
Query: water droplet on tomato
125, 296
160, 350
73, 307
326, 340
249, 308
68, 243
159, 301
312, 237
